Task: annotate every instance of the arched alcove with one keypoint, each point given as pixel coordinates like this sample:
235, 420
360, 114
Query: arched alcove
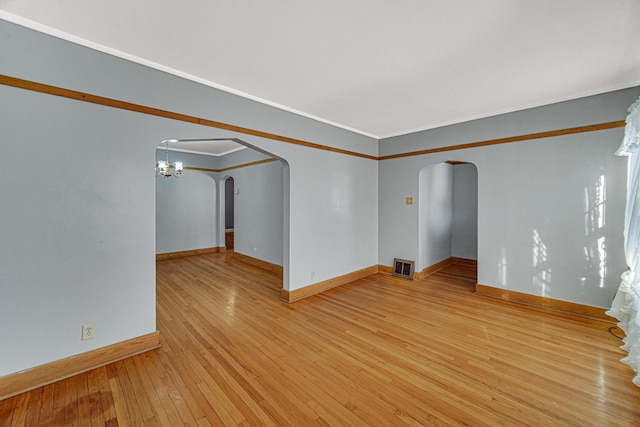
447, 214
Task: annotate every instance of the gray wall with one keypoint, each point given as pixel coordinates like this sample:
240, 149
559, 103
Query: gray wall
464, 229
534, 198
77, 236
259, 212
186, 214
447, 213
435, 214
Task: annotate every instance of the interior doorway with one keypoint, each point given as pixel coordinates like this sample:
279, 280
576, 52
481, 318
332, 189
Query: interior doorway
229, 213
238, 201
448, 216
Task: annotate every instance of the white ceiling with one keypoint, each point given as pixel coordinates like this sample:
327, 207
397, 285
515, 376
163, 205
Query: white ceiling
379, 67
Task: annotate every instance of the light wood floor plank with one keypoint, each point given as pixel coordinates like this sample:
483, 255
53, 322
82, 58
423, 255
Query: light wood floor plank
379, 351
33, 410
45, 415
106, 395
20, 414
95, 401
59, 402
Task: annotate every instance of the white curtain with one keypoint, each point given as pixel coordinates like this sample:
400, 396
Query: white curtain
626, 304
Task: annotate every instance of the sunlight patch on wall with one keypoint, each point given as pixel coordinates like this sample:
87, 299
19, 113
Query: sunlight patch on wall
502, 268
542, 278
595, 250
595, 199
340, 193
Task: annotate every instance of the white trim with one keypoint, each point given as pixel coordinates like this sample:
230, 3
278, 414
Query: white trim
159, 147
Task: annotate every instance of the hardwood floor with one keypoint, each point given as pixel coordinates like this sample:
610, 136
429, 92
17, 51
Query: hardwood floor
380, 351
229, 240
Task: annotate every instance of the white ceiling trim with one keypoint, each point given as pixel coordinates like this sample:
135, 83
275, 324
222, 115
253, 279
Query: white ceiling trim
118, 53
182, 150
547, 101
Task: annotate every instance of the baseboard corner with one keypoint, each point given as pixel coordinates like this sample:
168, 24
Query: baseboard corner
192, 252
325, 285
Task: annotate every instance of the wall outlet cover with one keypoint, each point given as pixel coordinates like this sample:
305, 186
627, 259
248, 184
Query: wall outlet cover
88, 331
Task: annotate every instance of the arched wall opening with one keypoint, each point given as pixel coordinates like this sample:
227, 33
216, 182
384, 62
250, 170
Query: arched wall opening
229, 214
245, 190
447, 214
229, 188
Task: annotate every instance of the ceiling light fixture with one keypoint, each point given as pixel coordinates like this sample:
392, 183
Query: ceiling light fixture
164, 167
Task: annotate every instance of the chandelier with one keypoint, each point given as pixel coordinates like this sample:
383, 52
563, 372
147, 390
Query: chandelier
164, 167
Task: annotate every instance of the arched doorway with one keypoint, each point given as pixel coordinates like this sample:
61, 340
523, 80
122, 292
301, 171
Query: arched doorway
229, 217
448, 215
248, 203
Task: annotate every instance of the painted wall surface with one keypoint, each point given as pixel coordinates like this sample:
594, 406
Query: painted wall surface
186, 214
77, 235
464, 231
562, 115
331, 198
550, 211
77, 241
258, 204
93, 72
435, 217
334, 221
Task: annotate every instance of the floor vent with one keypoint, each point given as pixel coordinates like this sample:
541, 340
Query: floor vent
403, 268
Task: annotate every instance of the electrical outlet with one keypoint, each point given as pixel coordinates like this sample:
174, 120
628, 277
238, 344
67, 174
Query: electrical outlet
88, 331
313, 274
255, 249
